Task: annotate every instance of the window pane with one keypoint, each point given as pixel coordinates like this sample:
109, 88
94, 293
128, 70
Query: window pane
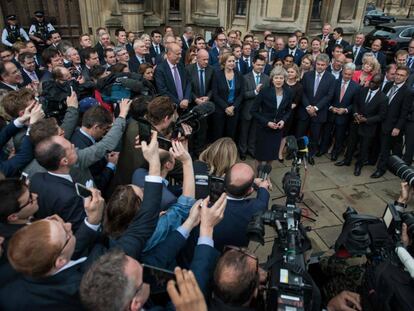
241, 7
347, 10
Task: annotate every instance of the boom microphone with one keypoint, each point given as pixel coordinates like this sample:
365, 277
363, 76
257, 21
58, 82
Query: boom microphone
291, 143
197, 113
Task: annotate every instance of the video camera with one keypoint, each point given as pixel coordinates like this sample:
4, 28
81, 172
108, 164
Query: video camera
290, 287
193, 118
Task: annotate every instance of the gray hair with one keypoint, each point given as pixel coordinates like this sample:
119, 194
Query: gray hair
322, 58
188, 29
278, 71
350, 66
69, 51
138, 41
118, 49
144, 36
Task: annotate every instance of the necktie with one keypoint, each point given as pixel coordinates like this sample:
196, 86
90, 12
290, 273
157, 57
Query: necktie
338, 42
342, 91
369, 97
177, 82
257, 80
157, 48
409, 62
33, 76
202, 88
291, 52
316, 85
392, 91
247, 62
238, 65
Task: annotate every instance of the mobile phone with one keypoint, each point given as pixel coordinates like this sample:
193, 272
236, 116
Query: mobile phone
164, 143
144, 131
25, 178
157, 278
215, 188
82, 191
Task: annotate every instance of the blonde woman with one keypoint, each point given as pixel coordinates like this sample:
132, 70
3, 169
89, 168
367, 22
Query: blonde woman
370, 67
305, 65
147, 40
227, 97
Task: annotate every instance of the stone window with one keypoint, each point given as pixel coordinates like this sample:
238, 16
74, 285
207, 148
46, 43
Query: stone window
347, 10
175, 5
241, 7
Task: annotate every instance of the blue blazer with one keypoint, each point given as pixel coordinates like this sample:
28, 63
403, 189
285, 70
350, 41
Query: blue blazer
213, 56
243, 67
221, 90
165, 82
265, 109
358, 59
322, 98
348, 101
298, 55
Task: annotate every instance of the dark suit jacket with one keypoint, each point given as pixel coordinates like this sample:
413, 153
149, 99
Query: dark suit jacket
221, 91
271, 54
24, 155
134, 63
247, 67
397, 108
298, 55
5, 87
26, 78
100, 172
100, 49
374, 111
322, 98
57, 195
241, 66
189, 42
382, 59
348, 101
153, 54
194, 76
332, 43
213, 56
358, 59
165, 82
249, 92
264, 109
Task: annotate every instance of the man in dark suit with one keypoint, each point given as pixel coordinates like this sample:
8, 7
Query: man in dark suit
55, 267
201, 77
156, 47
399, 97
91, 59
214, 52
29, 72
292, 49
10, 76
247, 57
336, 39
141, 56
104, 40
269, 40
335, 68
318, 91
380, 56
410, 58
187, 38
409, 134
358, 49
345, 96
55, 189
369, 111
171, 78
240, 64
254, 81
96, 122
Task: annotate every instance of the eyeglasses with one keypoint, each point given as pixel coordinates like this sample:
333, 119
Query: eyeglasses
243, 251
29, 201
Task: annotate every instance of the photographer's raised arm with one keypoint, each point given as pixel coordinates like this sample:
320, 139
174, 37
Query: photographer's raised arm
142, 227
181, 154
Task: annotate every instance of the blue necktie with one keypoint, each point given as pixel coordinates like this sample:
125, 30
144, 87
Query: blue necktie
202, 88
257, 80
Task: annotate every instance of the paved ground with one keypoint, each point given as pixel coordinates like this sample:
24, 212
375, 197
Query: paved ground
328, 191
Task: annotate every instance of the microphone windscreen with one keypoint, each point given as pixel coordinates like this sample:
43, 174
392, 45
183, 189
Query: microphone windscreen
291, 143
204, 109
303, 142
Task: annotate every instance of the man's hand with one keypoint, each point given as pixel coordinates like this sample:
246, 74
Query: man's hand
152, 155
26, 114
184, 104
264, 183
211, 216
81, 79
259, 87
395, 132
362, 119
193, 219
94, 207
36, 114
72, 100
229, 111
405, 193
345, 301
179, 152
280, 124
124, 107
187, 129
113, 157
188, 297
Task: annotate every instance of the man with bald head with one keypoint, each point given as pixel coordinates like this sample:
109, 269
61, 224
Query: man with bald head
239, 182
201, 76
172, 80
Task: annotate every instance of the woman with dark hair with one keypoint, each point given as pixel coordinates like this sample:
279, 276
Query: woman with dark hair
271, 110
191, 55
148, 85
227, 96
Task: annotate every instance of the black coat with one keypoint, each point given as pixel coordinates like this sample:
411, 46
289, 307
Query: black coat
221, 91
397, 108
348, 101
194, 76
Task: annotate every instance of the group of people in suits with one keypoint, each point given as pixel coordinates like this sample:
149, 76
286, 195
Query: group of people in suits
80, 255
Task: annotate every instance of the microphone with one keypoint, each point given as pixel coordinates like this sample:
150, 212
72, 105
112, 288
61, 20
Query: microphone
267, 168
303, 143
197, 113
291, 143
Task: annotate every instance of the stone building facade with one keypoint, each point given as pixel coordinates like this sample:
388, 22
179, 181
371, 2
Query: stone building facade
280, 16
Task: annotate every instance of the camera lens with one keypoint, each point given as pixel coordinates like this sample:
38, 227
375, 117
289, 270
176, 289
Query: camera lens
398, 167
408, 219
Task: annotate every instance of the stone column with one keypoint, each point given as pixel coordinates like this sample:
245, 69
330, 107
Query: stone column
132, 15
